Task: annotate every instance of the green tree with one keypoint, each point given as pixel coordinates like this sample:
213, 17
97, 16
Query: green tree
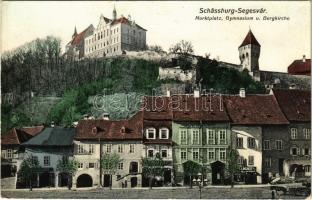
28, 168
233, 166
152, 167
156, 48
190, 169
109, 165
183, 47
68, 166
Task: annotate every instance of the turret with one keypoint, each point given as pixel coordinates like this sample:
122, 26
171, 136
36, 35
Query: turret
249, 52
114, 13
75, 33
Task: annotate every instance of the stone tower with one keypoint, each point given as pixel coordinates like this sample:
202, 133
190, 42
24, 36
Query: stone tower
249, 52
114, 13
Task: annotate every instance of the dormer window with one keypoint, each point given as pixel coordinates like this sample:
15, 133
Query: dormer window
151, 133
164, 133
94, 130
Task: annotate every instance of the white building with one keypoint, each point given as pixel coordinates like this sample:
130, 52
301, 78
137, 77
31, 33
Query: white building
113, 36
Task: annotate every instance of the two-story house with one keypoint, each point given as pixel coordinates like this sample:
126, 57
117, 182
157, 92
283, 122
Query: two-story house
254, 119
49, 147
201, 133
296, 106
157, 122
94, 138
12, 152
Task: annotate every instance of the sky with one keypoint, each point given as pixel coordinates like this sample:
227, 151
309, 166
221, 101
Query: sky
168, 23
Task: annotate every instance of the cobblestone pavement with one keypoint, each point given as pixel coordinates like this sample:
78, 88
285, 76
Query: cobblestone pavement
176, 193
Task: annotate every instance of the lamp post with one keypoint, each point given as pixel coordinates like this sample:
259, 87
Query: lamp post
200, 183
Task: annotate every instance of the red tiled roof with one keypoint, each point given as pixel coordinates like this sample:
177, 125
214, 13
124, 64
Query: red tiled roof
124, 20
254, 110
110, 130
157, 124
32, 130
250, 39
77, 39
298, 67
184, 108
295, 104
15, 137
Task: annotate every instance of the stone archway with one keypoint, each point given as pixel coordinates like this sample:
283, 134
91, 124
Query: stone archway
84, 180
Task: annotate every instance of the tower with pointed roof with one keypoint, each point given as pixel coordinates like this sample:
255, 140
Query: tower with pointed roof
114, 13
249, 52
75, 33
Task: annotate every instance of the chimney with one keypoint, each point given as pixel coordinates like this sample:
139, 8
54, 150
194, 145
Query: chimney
105, 116
303, 58
168, 93
242, 92
196, 93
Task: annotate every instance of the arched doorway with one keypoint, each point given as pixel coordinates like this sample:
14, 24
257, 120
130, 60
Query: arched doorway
84, 180
217, 170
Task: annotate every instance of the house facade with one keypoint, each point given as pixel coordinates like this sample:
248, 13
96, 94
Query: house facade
49, 147
296, 106
94, 138
255, 121
200, 133
114, 36
12, 153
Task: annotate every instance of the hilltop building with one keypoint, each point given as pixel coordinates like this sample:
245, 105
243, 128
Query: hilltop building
300, 67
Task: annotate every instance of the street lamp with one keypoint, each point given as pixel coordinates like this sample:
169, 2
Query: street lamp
200, 183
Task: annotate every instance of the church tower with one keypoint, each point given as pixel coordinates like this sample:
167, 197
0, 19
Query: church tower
114, 13
75, 33
249, 52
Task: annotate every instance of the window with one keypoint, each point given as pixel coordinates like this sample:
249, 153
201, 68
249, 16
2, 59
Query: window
120, 166
240, 160
268, 162
91, 165
294, 151
251, 142
9, 153
239, 142
150, 153
120, 149
34, 159
279, 144
250, 160
46, 160
306, 151
183, 136
266, 144
195, 137
307, 168
80, 165
222, 137
164, 153
211, 136
131, 148
293, 133
183, 154
151, 133
109, 148
211, 154
307, 133
80, 149
195, 154
164, 133
222, 154
91, 148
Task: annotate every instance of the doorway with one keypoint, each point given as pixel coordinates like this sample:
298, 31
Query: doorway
217, 169
106, 180
134, 181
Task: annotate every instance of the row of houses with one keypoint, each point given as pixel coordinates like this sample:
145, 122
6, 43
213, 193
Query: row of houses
270, 132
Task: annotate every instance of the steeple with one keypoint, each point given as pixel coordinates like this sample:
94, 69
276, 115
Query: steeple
114, 13
249, 52
75, 33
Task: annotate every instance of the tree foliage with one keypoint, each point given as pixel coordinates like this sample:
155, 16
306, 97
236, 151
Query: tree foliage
109, 164
190, 169
232, 161
152, 167
156, 48
183, 47
28, 168
69, 167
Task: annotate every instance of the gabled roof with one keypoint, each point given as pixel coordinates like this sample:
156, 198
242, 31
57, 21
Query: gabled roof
250, 39
295, 104
300, 67
124, 20
130, 129
52, 136
17, 136
79, 37
254, 110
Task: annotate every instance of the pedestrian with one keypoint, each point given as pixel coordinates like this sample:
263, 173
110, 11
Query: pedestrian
273, 194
